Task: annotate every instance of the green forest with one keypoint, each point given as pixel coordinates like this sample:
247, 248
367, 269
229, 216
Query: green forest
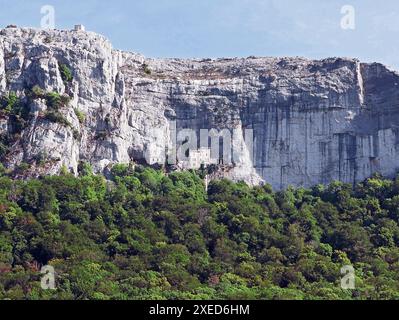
143, 234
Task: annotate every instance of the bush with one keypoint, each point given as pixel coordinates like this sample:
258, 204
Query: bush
65, 100
10, 102
23, 167
41, 158
56, 101
3, 150
146, 69
53, 100
17, 109
37, 92
120, 170
80, 115
64, 170
85, 168
66, 73
57, 117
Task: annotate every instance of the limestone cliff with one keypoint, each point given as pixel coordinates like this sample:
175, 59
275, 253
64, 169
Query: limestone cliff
312, 121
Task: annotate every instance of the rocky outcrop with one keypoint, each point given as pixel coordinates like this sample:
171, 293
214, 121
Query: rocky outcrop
312, 121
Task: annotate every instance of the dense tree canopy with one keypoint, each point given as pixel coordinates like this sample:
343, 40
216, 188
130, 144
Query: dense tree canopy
147, 235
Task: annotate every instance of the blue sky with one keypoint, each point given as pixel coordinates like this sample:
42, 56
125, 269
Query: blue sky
228, 28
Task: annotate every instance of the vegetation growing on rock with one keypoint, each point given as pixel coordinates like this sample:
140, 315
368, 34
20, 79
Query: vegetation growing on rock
66, 73
17, 110
57, 117
9, 102
80, 115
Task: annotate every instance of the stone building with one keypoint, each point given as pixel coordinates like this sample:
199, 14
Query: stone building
79, 27
199, 157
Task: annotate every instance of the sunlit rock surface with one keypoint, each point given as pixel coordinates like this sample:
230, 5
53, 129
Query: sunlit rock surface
313, 121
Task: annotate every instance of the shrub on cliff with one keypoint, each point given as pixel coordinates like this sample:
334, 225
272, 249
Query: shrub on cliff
9, 102
80, 115
66, 73
18, 111
56, 101
57, 117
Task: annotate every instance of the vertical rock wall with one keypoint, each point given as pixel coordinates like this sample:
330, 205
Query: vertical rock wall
313, 121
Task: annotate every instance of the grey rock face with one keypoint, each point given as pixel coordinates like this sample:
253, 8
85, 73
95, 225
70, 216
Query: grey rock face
313, 121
